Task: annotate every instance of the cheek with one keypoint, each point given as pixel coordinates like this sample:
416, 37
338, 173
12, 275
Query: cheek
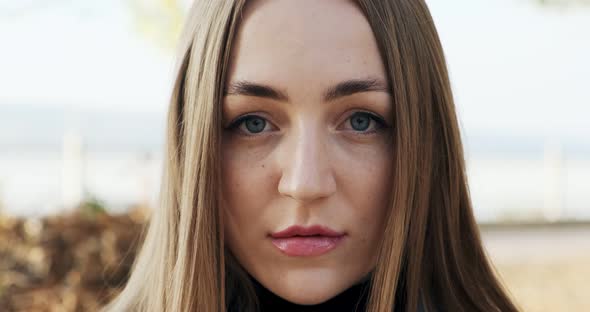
365, 168
243, 207
366, 186
238, 172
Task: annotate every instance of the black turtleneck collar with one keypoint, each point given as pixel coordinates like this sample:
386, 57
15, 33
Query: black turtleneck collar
351, 299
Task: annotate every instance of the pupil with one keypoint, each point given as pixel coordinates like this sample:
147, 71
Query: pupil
255, 125
360, 121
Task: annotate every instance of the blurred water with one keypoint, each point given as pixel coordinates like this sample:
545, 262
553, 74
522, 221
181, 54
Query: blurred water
32, 184
529, 189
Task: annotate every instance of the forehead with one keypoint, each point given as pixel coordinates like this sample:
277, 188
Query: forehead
289, 43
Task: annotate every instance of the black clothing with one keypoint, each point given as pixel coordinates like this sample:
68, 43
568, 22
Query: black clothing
353, 299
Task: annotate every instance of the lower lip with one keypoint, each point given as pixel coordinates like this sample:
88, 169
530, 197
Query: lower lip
307, 246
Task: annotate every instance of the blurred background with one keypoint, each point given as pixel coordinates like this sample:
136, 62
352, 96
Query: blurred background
83, 99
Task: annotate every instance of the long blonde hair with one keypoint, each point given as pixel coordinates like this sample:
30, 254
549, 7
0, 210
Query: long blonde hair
431, 248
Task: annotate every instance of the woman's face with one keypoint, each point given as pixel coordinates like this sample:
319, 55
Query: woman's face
307, 118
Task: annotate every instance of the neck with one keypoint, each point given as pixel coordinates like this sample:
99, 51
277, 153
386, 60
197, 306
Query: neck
351, 299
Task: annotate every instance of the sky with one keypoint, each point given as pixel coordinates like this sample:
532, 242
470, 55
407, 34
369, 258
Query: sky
516, 69
85, 54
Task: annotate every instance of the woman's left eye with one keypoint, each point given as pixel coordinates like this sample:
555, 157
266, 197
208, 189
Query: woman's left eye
361, 122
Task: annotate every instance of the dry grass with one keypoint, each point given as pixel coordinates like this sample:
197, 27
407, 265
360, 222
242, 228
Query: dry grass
72, 263
549, 286
546, 268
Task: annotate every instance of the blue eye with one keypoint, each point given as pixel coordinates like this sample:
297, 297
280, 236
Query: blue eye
253, 124
361, 121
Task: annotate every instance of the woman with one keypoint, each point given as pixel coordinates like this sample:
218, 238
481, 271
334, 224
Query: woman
314, 163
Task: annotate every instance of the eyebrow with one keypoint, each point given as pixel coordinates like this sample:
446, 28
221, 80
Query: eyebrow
342, 89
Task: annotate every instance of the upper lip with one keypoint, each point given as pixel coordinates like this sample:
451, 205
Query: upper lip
298, 230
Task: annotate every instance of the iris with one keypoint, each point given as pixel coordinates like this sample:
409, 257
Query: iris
360, 121
255, 124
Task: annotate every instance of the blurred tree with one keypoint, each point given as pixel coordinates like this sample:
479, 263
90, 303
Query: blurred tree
91, 207
563, 2
159, 20
1, 199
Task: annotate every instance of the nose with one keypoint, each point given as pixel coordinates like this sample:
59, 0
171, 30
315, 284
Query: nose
306, 168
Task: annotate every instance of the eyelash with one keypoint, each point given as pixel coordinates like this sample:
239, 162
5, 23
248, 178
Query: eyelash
381, 124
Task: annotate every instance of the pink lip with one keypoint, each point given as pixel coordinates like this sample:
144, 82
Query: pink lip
306, 241
297, 230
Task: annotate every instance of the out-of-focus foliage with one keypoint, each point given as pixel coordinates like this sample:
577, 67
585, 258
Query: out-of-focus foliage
563, 2
158, 20
67, 262
92, 207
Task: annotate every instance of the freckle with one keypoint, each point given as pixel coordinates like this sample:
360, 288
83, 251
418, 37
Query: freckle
263, 166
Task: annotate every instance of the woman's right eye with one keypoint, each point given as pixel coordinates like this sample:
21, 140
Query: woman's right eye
249, 124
